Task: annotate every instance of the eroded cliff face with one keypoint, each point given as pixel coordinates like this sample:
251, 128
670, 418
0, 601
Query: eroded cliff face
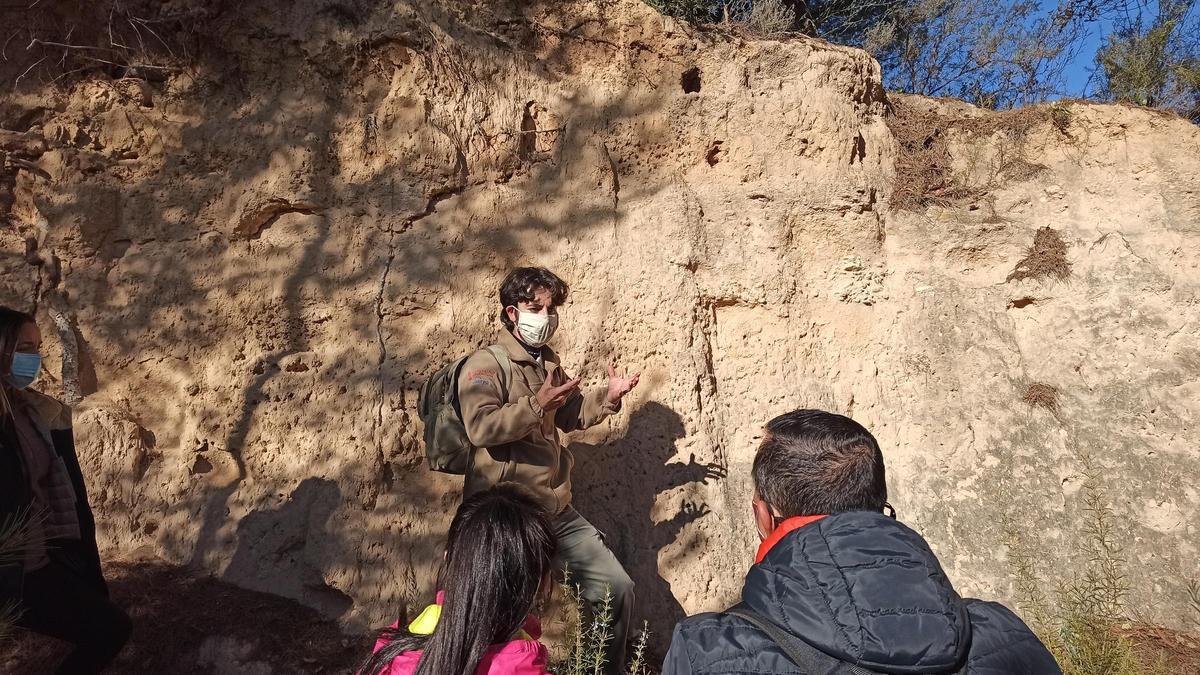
249, 266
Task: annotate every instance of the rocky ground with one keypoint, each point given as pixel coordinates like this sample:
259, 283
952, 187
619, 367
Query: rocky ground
187, 622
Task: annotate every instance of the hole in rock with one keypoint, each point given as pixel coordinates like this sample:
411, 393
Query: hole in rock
690, 81
1021, 303
714, 153
201, 466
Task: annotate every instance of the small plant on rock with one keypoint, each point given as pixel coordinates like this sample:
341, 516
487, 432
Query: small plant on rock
1060, 117
1085, 631
585, 639
1041, 395
1045, 259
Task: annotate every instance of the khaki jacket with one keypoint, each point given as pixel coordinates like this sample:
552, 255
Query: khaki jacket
515, 439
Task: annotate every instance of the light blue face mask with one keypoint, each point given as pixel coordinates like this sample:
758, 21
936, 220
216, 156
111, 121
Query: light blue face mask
25, 369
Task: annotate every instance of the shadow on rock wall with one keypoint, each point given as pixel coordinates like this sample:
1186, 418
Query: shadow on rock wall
266, 261
187, 623
274, 543
617, 487
269, 246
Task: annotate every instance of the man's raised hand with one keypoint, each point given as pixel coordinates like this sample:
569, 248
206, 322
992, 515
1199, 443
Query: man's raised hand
619, 385
552, 398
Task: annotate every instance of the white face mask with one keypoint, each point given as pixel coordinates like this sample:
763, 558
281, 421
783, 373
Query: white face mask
536, 330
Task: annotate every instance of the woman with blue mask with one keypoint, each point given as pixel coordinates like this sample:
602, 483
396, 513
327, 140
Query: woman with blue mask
56, 580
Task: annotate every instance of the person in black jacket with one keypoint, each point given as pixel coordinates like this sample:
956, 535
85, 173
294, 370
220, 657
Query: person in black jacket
838, 586
56, 581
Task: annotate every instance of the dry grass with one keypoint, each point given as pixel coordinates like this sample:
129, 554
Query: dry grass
924, 166
770, 17
56, 42
1165, 651
1045, 259
1040, 395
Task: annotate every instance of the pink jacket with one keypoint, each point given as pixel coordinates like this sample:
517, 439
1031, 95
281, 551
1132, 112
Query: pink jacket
519, 657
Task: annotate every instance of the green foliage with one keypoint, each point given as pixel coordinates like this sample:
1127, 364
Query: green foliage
585, 638
763, 17
770, 17
1082, 628
996, 55
694, 11
1060, 117
637, 665
1155, 65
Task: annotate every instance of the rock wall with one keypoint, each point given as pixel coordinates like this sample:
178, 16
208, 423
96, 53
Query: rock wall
249, 266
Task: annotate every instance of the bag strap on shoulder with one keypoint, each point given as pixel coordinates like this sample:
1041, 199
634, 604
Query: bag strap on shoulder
505, 362
810, 659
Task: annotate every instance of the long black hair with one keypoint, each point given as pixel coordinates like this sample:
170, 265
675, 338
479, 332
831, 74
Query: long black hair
499, 553
11, 323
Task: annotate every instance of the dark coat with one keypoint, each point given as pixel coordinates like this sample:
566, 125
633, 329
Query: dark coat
54, 420
865, 589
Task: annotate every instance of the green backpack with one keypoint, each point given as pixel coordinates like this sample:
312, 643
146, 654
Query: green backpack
446, 443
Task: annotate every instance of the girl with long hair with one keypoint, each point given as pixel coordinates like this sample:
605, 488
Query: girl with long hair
56, 580
498, 565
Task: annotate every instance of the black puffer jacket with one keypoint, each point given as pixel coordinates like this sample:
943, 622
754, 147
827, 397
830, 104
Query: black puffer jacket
867, 590
53, 419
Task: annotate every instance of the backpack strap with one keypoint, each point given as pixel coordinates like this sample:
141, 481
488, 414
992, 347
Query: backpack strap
502, 359
811, 660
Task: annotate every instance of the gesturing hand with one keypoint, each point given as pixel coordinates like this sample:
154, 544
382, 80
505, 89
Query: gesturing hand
619, 385
552, 398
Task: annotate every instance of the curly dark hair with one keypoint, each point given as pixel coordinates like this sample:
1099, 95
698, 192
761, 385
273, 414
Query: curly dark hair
522, 283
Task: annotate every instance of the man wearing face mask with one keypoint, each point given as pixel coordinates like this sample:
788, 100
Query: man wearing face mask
56, 578
513, 410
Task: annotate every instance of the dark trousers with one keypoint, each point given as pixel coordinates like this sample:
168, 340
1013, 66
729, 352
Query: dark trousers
58, 601
597, 572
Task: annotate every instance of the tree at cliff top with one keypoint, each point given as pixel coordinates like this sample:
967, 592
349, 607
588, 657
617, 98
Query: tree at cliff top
996, 55
1155, 63
993, 54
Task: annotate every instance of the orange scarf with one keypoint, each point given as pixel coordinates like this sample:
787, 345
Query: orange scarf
785, 528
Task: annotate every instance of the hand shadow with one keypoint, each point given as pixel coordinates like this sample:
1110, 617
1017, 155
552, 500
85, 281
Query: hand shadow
616, 486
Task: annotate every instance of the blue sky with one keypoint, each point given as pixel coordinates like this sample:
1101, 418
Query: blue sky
1084, 63
1080, 69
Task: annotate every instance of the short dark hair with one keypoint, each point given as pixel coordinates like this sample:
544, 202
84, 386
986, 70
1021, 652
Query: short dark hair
523, 282
813, 462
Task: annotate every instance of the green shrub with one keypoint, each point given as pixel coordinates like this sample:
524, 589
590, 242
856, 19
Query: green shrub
1154, 61
585, 638
693, 11
770, 17
762, 17
1083, 629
